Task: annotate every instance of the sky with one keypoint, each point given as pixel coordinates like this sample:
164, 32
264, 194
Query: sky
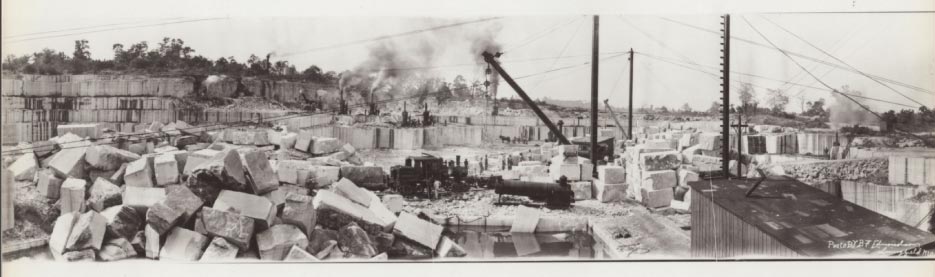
553, 36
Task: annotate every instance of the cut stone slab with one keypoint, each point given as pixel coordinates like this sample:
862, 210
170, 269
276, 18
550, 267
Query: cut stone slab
570, 171
326, 175
197, 158
525, 244
351, 191
277, 197
297, 254
356, 241
611, 174
166, 170
323, 146
394, 202
335, 211
153, 242
304, 141
49, 185
141, 198
107, 158
369, 177
525, 220
181, 198
300, 212
274, 243
117, 249
70, 160
291, 171
87, 232
657, 198
260, 209
104, 194
162, 218
72, 195
448, 248
386, 217
263, 178
236, 228
139, 173
420, 231
123, 221
61, 231
220, 250
657, 180
608, 193
183, 245
24, 168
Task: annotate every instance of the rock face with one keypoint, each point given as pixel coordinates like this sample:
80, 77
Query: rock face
355, 241
236, 228
107, 158
276, 242
812, 173
104, 194
220, 250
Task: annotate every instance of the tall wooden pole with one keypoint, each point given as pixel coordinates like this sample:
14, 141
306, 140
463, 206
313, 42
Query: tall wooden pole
630, 109
595, 156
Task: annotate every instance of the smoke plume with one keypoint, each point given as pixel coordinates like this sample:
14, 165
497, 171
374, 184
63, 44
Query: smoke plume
485, 41
845, 112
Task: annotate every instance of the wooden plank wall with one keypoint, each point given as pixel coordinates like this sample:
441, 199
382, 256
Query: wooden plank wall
718, 234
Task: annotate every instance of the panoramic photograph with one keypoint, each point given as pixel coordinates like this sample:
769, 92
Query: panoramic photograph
476, 137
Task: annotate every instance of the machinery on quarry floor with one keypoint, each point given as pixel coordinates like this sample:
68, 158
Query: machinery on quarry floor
428, 176
554, 195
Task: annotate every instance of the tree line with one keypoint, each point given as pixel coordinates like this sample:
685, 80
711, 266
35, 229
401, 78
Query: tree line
169, 56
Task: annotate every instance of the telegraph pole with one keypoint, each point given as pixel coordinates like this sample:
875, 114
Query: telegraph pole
594, 59
630, 109
725, 97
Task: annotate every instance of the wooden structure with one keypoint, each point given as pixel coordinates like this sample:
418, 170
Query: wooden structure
787, 218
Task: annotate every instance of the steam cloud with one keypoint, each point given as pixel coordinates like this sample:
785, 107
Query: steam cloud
846, 112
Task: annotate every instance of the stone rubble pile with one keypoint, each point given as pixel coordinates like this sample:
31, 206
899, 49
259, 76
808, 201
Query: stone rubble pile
214, 196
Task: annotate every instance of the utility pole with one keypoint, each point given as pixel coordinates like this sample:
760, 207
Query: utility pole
740, 127
725, 97
595, 156
630, 109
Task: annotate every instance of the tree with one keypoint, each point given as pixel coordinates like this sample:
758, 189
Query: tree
777, 101
748, 97
816, 108
890, 119
686, 108
459, 86
715, 108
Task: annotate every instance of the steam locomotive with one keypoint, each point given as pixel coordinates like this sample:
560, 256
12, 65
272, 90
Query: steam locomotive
428, 176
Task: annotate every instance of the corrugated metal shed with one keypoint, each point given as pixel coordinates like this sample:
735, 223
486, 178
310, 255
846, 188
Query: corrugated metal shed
787, 218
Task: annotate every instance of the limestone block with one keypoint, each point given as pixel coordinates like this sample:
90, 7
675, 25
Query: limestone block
183, 245
104, 194
236, 228
256, 207
660, 179
72, 195
24, 168
581, 189
197, 158
142, 197
139, 173
417, 230
275, 242
263, 179
608, 193
219, 250
611, 174
657, 198
323, 146
300, 211
49, 185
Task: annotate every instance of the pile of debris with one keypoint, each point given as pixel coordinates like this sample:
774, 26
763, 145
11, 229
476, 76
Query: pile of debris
210, 196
